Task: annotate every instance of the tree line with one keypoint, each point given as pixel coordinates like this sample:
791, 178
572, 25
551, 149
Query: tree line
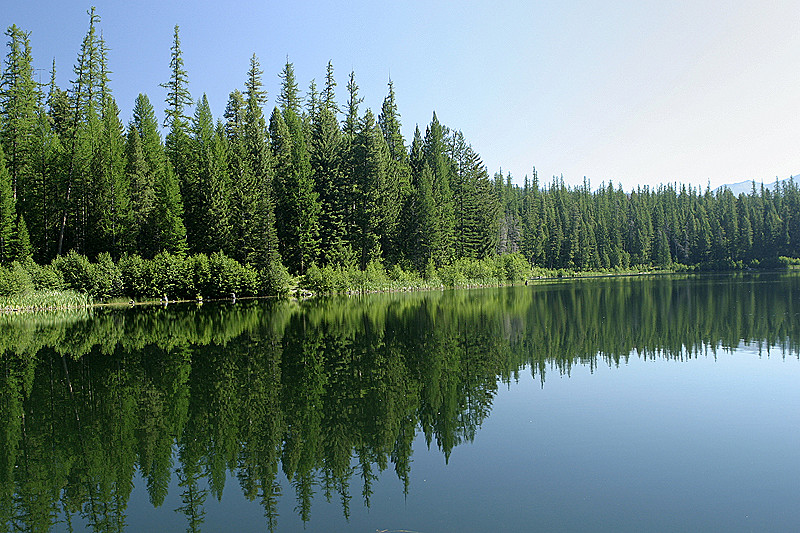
312, 184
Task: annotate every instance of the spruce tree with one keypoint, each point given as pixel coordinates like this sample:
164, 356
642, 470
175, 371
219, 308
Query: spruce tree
21, 249
372, 199
112, 191
398, 176
326, 167
436, 159
300, 207
7, 212
166, 217
144, 177
178, 97
208, 225
262, 233
19, 100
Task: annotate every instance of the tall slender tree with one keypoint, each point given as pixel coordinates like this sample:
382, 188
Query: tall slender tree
20, 99
7, 212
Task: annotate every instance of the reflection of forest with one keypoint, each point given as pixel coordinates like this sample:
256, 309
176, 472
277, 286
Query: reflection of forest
330, 392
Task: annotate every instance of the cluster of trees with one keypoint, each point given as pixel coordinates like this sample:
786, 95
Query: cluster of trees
576, 228
297, 187
312, 184
321, 397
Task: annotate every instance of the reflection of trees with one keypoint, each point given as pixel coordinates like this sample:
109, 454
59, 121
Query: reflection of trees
331, 392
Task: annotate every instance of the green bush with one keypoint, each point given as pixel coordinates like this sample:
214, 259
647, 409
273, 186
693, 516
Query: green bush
106, 278
15, 280
515, 267
452, 275
169, 276
136, 276
76, 271
198, 270
45, 278
274, 280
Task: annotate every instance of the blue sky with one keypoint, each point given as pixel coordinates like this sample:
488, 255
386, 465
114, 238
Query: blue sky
639, 92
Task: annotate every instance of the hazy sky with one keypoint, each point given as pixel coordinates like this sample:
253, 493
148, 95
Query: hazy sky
639, 92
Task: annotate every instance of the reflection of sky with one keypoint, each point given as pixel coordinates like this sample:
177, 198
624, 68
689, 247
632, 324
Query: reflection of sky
699, 445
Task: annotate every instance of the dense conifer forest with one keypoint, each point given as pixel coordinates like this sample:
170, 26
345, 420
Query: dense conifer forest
264, 193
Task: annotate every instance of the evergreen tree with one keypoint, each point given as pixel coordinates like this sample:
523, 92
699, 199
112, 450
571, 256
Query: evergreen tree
144, 174
112, 191
262, 231
21, 249
299, 198
19, 101
82, 137
7, 212
166, 217
208, 225
442, 236
178, 97
398, 176
375, 211
328, 96
326, 167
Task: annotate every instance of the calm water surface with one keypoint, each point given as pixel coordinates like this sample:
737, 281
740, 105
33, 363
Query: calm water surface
632, 404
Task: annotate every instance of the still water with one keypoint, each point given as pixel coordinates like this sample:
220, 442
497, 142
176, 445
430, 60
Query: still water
631, 404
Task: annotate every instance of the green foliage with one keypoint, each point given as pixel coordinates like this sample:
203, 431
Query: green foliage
169, 276
15, 280
106, 278
135, 275
75, 270
44, 277
306, 189
274, 279
515, 268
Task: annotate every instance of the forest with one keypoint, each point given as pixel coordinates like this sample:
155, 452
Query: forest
311, 185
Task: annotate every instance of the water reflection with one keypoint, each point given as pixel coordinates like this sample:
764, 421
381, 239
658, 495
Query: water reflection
328, 393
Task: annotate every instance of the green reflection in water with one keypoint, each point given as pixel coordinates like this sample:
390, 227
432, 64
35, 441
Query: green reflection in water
328, 392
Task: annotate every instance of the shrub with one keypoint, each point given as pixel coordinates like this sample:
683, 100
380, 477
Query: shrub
76, 271
136, 277
452, 275
45, 278
106, 278
515, 267
169, 275
198, 272
274, 279
15, 280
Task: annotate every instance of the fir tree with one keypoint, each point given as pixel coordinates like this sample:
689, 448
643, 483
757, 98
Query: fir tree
262, 233
436, 159
21, 249
7, 212
398, 176
178, 97
166, 217
326, 163
372, 198
19, 101
209, 230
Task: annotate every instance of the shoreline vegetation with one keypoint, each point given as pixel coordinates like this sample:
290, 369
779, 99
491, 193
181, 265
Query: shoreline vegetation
315, 194
72, 281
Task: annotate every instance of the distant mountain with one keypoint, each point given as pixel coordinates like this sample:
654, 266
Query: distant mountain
747, 186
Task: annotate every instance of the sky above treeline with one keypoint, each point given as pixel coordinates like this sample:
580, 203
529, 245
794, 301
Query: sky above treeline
634, 92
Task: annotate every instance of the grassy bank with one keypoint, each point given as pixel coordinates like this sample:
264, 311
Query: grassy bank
72, 280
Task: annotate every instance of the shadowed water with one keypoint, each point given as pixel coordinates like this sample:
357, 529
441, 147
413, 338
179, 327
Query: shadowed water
665, 403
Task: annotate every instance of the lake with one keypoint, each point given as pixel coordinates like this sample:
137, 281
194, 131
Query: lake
667, 403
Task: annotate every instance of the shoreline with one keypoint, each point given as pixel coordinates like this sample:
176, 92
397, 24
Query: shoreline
300, 294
